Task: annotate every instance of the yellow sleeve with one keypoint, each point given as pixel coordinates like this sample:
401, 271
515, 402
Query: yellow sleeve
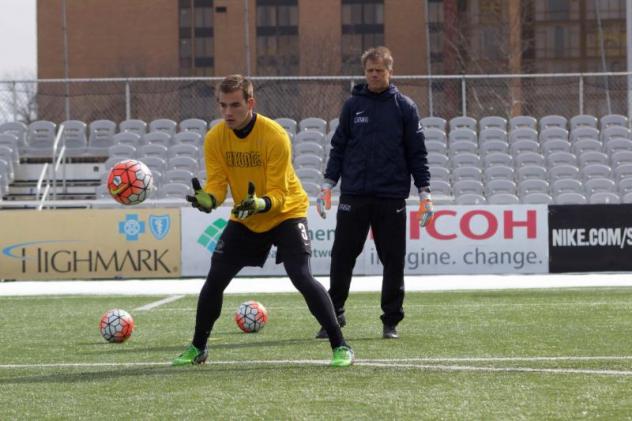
216, 179
279, 164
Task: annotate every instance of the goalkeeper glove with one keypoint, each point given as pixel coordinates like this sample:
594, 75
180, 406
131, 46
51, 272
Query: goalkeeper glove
250, 205
201, 200
323, 202
426, 210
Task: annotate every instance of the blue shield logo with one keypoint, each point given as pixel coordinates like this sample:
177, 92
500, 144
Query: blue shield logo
159, 225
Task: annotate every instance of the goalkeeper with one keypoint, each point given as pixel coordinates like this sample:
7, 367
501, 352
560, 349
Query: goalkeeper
377, 147
251, 154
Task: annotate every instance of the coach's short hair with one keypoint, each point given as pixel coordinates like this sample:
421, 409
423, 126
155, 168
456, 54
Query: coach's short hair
378, 53
237, 82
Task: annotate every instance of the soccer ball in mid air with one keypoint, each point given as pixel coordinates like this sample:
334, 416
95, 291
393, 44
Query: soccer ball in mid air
130, 182
116, 325
251, 316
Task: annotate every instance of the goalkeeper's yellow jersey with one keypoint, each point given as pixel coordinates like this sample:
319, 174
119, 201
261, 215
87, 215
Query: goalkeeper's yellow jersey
264, 157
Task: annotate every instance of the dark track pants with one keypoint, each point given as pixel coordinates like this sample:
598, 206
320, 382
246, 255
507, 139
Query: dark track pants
387, 220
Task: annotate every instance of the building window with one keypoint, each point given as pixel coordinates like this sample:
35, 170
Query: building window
277, 37
608, 9
362, 28
196, 37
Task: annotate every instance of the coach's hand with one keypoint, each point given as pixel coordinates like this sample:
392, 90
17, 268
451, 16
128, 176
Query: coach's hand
323, 202
426, 210
201, 200
250, 205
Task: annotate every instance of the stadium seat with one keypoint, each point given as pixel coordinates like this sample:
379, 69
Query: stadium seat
40, 139
493, 145
309, 136
503, 199
583, 120
552, 121
566, 185
595, 171
310, 174
152, 149
599, 184
583, 132
559, 158
492, 122
610, 120
618, 144
627, 197
531, 185
463, 122
555, 145
498, 172
523, 121
433, 122
593, 157
288, 124
184, 149
11, 142
183, 163
462, 134
436, 146
463, 186
585, 145
439, 172
17, 129
178, 176
537, 198
622, 171
624, 186
313, 123
309, 161
614, 132
435, 134
523, 133
194, 125
471, 199
127, 138
498, 158
174, 191
528, 158
312, 189
605, 198
499, 185
570, 198
465, 159
307, 146
164, 125
621, 157
133, 125
188, 137
74, 138
466, 172
155, 163
100, 137
524, 145
563, 171
531, 171
122, 151
158, 137
438, 186
333, 124
437, 159
462, 146
553, 133
492, 133
6, 155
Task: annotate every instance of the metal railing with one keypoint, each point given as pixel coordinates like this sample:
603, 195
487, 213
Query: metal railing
478, 95
58, 160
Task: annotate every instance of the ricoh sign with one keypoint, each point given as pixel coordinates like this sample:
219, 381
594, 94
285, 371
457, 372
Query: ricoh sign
471, 239
90, 244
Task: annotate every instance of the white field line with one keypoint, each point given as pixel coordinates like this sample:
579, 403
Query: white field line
384, 364
159, 303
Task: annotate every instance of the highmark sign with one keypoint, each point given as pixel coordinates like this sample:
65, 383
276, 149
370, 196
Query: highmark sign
85, 244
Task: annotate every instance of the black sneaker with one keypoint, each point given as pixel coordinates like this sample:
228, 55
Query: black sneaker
390, 332
322, 333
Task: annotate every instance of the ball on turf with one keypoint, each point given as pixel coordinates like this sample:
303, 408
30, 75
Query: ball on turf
130, 182
116, 325
251, 316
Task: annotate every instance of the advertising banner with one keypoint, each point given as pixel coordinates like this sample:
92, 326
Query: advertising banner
590, 238
90, 243
461, 240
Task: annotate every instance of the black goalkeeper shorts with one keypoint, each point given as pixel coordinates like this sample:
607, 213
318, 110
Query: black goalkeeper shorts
248, 248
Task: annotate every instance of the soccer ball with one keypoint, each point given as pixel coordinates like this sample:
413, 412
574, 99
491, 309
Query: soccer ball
130, 182
116, 325
251, 316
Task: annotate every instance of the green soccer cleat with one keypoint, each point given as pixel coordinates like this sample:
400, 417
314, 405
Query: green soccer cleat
343, 357
192, 355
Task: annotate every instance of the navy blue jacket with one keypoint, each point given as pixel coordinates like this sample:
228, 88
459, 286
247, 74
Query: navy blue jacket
378, 145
